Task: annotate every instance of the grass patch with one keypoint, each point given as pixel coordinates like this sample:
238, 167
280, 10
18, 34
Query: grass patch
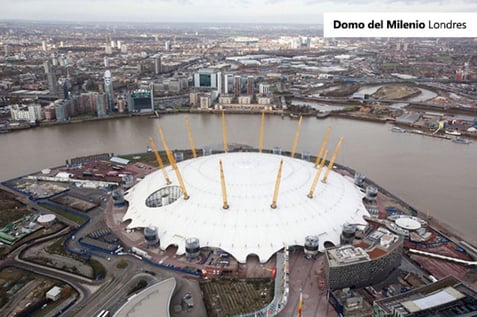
139, 286
234, 297
122, 264
75, 218
98, 269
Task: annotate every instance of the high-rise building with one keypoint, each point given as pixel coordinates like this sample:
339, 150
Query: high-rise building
108, 50
167, 45
124, 48
250, 85
264, 89
157, 64
237, 86
50, 77
207, 78
219, 82
47, 67
121, 105
43, 45
61, 111
52, 83
106, 62
101, 105
7, 50
108, 89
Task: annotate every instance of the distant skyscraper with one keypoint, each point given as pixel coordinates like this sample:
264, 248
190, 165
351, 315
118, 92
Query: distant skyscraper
106, 62
108, 50
108, 89
7, 50
167, 45
47, 66
157, 64
124, 48
50, 77
43, 45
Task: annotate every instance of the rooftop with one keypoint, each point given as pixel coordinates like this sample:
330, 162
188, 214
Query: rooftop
250, 225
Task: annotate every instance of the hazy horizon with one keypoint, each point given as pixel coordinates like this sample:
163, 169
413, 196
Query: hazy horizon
210, 11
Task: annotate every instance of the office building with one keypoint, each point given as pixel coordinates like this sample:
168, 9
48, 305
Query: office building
157, 64
250, 85
140, 101
369, 262
207, 78
446, 297
108, 89
237, 86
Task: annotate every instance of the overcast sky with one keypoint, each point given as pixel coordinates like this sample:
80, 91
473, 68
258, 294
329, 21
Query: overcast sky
256, 11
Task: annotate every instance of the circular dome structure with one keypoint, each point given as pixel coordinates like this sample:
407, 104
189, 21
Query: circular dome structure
249, 225
46, 219
408, 223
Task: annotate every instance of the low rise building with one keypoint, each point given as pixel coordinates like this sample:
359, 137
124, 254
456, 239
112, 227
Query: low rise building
54, 293
446, 297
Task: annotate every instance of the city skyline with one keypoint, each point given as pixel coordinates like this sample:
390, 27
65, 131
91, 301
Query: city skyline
202, 11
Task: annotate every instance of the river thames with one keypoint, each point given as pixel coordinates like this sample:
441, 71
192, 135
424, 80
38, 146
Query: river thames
428, 173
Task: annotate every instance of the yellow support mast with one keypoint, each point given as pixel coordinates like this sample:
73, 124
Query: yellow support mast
159, 161
332, 161
322, 148
224, 132
297, 135
262, 130
172, 161
224, 189
191, 140
277, 186
317, 176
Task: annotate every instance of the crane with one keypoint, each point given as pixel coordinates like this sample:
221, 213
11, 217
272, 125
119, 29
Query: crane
191, 140
333, 158
172, 161
159, 161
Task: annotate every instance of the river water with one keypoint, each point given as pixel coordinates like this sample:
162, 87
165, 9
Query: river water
429, 173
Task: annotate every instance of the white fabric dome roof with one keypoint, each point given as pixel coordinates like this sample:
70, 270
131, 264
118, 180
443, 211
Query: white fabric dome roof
250, 225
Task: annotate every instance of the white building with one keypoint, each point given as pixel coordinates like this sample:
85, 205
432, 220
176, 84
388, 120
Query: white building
264, 89
32, 113
250, 225
54, 293
205, 102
